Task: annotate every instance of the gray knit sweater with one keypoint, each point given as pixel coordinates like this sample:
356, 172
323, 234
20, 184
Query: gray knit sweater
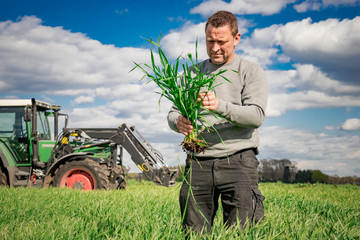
242, 102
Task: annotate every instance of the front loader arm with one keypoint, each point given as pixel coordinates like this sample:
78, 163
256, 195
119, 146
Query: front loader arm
148, 159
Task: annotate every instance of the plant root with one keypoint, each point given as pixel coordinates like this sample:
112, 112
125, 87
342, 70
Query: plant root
194, 146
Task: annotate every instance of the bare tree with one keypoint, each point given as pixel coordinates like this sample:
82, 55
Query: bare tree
273, 169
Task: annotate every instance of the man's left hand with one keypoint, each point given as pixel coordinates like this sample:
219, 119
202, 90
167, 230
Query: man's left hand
209, 100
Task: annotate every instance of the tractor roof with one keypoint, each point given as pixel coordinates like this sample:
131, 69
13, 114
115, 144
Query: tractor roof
26, 102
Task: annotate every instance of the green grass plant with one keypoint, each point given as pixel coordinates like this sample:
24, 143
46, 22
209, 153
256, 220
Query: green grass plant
181, 81
147, 211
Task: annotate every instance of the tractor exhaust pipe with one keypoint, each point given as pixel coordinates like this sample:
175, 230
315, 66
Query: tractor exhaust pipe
34, 134
56, 123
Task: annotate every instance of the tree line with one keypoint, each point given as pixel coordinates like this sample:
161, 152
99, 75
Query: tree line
284, 170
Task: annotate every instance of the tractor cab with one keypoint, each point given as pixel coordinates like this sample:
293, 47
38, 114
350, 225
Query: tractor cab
24, 126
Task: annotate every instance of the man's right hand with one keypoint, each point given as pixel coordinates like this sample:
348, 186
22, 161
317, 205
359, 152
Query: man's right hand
184, 125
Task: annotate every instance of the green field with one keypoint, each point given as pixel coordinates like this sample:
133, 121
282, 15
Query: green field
146, 211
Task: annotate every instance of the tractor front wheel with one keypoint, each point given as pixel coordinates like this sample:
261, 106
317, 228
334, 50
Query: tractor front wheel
83, 174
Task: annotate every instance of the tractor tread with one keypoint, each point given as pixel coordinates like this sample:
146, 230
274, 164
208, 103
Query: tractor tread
102, 179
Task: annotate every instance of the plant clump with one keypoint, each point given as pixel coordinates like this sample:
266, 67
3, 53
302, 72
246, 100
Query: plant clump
194, 144
183, 89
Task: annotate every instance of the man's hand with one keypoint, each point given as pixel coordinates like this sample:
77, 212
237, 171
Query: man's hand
184, 125
209, 99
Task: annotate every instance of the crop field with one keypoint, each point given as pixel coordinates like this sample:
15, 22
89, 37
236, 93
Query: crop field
146, 211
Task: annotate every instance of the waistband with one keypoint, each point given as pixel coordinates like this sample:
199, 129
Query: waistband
255, 150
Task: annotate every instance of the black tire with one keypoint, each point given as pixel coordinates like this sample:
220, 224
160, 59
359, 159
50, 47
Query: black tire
3, 178
83, 174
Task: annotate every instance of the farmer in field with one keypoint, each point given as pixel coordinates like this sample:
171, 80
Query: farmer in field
228, 167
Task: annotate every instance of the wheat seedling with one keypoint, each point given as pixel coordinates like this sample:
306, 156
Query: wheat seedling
183, 89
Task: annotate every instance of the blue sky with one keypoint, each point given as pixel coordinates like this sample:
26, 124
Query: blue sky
78, 54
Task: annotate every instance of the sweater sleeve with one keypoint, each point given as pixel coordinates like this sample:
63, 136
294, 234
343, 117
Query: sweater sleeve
172, 118
251, 112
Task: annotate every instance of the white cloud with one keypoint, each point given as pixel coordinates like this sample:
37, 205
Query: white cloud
122, 11
351, 124
182, 41
327, 70
280, 81
278, 104
307, 87
327, 37
262, 56
311, 149
263, 7
311, 77
332, 45
84, 99
340, 2
70, 91
307, 5
316, 5
177, 19
324, 44
57, 60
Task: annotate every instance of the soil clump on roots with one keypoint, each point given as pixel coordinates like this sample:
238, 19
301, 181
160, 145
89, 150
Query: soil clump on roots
195, 146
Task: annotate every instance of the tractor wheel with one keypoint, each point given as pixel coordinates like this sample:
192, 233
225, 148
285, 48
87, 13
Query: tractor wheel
83, 174
3, 178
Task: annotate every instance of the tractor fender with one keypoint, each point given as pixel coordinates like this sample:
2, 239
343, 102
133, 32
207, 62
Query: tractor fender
51, 171
4, 165
3, 161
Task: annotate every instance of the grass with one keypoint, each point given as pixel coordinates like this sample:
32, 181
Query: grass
146, 211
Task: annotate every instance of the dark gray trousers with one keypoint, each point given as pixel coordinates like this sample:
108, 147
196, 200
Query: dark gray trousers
234, 179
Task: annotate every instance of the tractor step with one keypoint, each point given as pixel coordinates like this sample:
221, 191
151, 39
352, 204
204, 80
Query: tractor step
20, 183
21, 178
20, 174
27, 183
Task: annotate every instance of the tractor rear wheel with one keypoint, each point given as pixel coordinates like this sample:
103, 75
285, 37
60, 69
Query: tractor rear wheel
3, 178
83, 174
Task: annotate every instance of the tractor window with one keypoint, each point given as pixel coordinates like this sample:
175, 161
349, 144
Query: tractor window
12, 122
7, 122
43, 126
13, 131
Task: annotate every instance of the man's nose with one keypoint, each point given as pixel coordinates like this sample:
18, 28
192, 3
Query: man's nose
215, 47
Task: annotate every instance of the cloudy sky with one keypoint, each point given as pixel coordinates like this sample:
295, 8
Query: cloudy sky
79, 53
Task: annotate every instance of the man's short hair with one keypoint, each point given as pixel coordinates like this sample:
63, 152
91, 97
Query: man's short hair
222, 18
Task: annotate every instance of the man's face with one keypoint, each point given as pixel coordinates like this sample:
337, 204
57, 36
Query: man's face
220, 44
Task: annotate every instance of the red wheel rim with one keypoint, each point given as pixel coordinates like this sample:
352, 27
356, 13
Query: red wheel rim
78, 179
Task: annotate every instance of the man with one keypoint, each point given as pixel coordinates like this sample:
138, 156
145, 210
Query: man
228, 167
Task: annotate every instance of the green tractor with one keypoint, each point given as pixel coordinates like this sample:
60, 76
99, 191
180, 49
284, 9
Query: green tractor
78, 158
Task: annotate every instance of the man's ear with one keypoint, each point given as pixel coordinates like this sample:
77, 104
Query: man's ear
237, 39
